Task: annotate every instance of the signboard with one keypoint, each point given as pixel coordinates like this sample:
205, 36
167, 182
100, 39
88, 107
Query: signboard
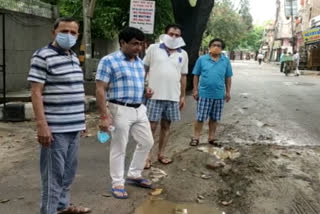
277, 44
291, 8
142, 15
311, 36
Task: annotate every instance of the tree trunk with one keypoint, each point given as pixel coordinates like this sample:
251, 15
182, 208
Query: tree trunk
193, 21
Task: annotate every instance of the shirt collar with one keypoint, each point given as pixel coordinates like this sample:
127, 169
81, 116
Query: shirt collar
163, 46
60, 50
222, 57
124, 57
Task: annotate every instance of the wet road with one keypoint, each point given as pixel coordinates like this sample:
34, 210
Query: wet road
266, 107
289, 106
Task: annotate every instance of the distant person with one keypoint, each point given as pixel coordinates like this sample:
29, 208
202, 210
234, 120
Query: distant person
282, 56
296, 58
211, 88
260, 58
58, 103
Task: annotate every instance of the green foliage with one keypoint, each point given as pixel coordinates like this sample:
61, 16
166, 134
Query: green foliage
110, 16
225, 23
234, 26
253, 39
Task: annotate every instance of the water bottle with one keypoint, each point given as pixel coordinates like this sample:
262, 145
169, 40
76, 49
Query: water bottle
104, 137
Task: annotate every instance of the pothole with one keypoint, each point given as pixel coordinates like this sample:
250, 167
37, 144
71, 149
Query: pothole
163, 206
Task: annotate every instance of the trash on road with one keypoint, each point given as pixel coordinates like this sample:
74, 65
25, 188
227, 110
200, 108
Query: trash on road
156, 174
226, 203
4, 201
206, 177
221, 153
156, 192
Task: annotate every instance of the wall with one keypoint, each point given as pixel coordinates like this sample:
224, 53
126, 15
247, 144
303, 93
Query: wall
23, 34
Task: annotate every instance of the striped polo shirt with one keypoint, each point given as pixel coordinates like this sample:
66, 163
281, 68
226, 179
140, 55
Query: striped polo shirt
63, 93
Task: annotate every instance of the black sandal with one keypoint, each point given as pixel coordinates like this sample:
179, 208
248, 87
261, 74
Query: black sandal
214, 143
194, 142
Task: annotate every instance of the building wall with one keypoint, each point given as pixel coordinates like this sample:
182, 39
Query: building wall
23, 35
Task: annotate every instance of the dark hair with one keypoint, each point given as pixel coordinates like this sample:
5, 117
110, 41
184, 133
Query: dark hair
176, 26
129, 33
64, 19
223, 45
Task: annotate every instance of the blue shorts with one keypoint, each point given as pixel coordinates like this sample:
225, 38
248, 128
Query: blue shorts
162, 109
207, 107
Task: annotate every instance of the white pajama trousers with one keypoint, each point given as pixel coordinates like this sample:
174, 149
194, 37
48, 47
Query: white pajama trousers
129, 121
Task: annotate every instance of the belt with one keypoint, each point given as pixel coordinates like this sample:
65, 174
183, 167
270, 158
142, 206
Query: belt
137, 105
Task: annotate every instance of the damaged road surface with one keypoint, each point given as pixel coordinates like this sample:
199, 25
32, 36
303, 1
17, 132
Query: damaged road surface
269, 160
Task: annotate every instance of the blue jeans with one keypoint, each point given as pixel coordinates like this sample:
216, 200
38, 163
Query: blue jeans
58, 164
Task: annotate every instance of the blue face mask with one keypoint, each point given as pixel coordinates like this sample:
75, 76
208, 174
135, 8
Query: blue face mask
66, 40
103, 137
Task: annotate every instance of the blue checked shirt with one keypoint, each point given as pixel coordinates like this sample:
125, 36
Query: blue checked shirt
125, 77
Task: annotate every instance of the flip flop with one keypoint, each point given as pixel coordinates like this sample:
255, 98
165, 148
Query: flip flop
74, 210
194, 142
139, 182
148, 164
165, 160
123, 191
214, 143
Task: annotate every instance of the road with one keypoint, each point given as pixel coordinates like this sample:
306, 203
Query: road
272, 121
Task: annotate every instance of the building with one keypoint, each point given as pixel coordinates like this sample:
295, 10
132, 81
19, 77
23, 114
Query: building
308, 33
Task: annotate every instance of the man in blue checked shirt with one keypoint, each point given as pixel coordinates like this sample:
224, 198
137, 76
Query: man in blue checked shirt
211, 88
122, 74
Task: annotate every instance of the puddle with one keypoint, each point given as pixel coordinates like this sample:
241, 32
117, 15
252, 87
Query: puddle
167, 207
220, 153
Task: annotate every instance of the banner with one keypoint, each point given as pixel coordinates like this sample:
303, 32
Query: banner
311, 36
142, 15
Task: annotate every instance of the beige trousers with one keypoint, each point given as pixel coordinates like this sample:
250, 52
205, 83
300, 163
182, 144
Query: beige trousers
129, 121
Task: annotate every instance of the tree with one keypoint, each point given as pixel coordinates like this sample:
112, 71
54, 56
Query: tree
230, 24
244, 12
225, 23
252, 41
193, 17
110, 16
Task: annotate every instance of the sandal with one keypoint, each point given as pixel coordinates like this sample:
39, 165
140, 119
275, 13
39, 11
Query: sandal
194, 142
148, 164
72, 209
140, 182
214, 143
164, 160
123, 191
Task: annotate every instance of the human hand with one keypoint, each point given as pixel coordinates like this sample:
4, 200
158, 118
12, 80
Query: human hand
44, 134
148, 93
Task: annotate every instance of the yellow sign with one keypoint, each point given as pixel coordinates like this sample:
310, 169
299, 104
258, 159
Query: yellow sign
311, 36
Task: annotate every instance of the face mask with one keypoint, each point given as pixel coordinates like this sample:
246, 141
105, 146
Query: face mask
103, 137
215, 50
66, 40
171, 42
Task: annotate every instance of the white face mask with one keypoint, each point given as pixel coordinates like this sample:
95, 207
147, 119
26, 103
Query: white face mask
172, 42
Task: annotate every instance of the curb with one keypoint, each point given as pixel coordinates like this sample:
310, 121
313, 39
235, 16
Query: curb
20, 111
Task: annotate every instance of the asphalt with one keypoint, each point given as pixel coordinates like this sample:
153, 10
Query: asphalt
289, 104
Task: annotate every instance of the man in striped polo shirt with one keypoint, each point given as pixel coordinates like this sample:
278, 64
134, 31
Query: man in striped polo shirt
122, 74
58, 103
